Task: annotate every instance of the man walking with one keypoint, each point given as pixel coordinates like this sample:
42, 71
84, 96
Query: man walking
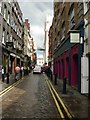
17, 71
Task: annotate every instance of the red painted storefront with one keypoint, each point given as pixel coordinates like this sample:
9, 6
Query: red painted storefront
62, 65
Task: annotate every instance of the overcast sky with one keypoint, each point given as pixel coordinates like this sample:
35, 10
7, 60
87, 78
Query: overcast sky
36, 12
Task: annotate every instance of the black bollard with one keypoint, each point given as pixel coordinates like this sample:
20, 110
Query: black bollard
64, 86
7, 78
55, 79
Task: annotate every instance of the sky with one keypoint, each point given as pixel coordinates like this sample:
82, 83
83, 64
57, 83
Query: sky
36, 12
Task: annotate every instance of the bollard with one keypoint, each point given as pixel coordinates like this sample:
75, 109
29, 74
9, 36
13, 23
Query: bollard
64, 86
55, 79
7, 78
3, 77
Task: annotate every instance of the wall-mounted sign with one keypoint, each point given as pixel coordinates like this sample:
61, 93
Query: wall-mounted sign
74, 38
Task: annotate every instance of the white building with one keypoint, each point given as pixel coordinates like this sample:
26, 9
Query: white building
40, 61
48, 23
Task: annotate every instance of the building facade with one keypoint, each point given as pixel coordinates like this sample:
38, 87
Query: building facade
50, 51
29, 52
11, 37
48, 23
68, 16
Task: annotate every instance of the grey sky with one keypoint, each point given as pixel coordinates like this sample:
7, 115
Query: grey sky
36, 12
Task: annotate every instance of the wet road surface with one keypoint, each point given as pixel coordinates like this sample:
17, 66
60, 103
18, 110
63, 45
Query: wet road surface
29, 99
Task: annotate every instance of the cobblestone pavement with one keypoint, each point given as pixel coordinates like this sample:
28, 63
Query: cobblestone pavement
77, 104
30, 99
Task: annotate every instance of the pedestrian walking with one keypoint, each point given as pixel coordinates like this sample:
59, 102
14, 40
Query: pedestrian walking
3, 74
17, 71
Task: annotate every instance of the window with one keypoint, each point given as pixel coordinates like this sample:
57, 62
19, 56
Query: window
86, 7
71, 19
7, 40
10, 38
5, 10
17, 44
0, 6
8, 18
3, 37
63, 30
14, 41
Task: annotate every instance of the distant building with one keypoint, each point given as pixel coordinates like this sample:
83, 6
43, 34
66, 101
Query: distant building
29, 52
40, 61
48, 23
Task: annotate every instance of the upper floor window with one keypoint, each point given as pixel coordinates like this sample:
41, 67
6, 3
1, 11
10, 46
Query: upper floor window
86, 6
8, 18
3, 37
7, 40
11, 38
63, 30
0, 7
5, 11
71, 18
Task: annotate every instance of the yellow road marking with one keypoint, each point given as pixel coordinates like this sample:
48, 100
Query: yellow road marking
9, 88
66, 110
58, 107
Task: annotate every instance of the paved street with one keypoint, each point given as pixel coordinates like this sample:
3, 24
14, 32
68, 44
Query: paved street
29, 99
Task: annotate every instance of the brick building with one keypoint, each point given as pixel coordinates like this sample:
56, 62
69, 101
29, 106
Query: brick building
68, 16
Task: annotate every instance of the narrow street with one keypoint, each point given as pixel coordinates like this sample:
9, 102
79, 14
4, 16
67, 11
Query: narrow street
29, 99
